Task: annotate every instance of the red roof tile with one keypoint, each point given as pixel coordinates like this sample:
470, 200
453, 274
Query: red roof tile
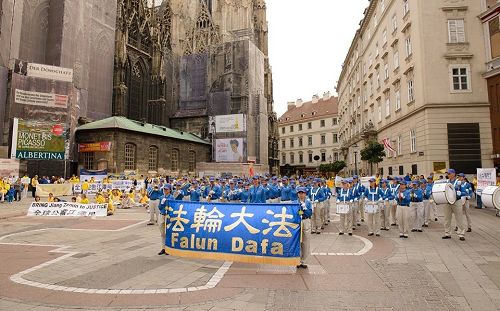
310, 111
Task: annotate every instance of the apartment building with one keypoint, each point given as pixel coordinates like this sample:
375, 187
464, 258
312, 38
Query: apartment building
491, 27
412, 79
309, 135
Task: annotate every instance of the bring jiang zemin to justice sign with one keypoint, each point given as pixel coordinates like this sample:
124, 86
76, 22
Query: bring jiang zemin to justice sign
32, 140
251, 233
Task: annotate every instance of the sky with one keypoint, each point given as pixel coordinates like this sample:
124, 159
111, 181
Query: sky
308, 42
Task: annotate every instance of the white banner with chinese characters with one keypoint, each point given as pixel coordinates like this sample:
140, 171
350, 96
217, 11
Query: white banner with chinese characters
67, 209
486, 177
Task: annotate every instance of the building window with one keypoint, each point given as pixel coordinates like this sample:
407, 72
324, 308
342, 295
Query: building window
379, 111
406, 7
323, 157
323, 139
88, 160
494, 27
460, 78
291, 128
153, 158
396, 60
130, 156
408, 46
292, 143
413, 141
309, 125
309, 140
322, 123
310, 157
336, 156
398, 100
300, 127
301, 158
283, 158
174, 158
456, 31
300, 142
283, 144
335, 138
388, 105
398, 144
283, 130
292, 158
394, 23
192, 161
334, 121
386, 71
411, 95
384, 36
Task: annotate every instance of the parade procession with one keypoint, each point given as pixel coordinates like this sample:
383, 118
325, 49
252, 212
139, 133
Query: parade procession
270, 219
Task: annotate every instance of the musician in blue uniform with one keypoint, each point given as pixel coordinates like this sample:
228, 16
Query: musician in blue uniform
194, 192
232, 193
385, 205
257, 192
359, 190
345, 200
394, 187
454, 209
212, 192
293, 190
162, 207
326, 203
285, 191
427, 193
154, 194
403, 197
245, 194
305, 212
373, 198
274, 190
317, 197
467, 190
416, 207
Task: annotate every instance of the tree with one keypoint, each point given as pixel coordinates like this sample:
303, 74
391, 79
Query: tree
334, 167
373, 153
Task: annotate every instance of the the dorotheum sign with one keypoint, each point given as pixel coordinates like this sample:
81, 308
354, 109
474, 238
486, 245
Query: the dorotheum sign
33, 140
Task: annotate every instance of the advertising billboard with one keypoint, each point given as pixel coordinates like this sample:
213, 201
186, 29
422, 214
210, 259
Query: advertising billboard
103, 146
33, 140
43, 71
230, 123
230, 150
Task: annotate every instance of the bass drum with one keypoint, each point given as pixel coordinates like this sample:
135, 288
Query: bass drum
444, 193
491, 197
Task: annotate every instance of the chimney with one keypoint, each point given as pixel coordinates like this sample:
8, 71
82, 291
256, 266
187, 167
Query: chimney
299, 103
290, 105
315, 99
326, 96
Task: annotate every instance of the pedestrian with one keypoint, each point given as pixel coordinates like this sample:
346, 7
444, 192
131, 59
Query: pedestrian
305, 213
10, 194
155, 194
34, 184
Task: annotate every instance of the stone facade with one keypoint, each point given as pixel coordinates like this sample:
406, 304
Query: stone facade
114, 161
426, 98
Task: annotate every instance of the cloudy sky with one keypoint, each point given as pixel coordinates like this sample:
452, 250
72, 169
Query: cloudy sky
308, 41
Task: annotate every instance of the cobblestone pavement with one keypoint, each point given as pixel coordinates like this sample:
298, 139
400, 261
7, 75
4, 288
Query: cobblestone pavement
111, 264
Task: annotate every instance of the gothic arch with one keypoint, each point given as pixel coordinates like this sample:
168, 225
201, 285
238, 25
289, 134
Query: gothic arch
34, 30
138, 86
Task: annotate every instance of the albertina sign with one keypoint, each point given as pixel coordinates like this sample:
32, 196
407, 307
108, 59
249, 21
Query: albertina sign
38, 140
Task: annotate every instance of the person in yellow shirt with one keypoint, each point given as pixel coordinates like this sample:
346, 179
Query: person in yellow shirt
85, 186
92, 180
127, 202
100, 199
131, 194
84, 199
144, 200
51, 198
111, 208
34, 183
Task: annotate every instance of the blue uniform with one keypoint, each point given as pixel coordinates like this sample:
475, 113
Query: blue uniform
373, 194
293, 194
305, 208
194, 195
345, 195
163, 203
428, 191
154, 194
274, 191
245, 196
232, 194
386, 194
317, 194
257, 194
405, 199
285, 193
217, 192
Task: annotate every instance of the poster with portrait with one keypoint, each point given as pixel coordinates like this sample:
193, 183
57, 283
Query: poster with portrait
232, 150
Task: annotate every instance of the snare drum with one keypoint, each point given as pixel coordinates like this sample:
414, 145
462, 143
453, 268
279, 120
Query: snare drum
444, 193
343, 208
371, 207
491, 197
